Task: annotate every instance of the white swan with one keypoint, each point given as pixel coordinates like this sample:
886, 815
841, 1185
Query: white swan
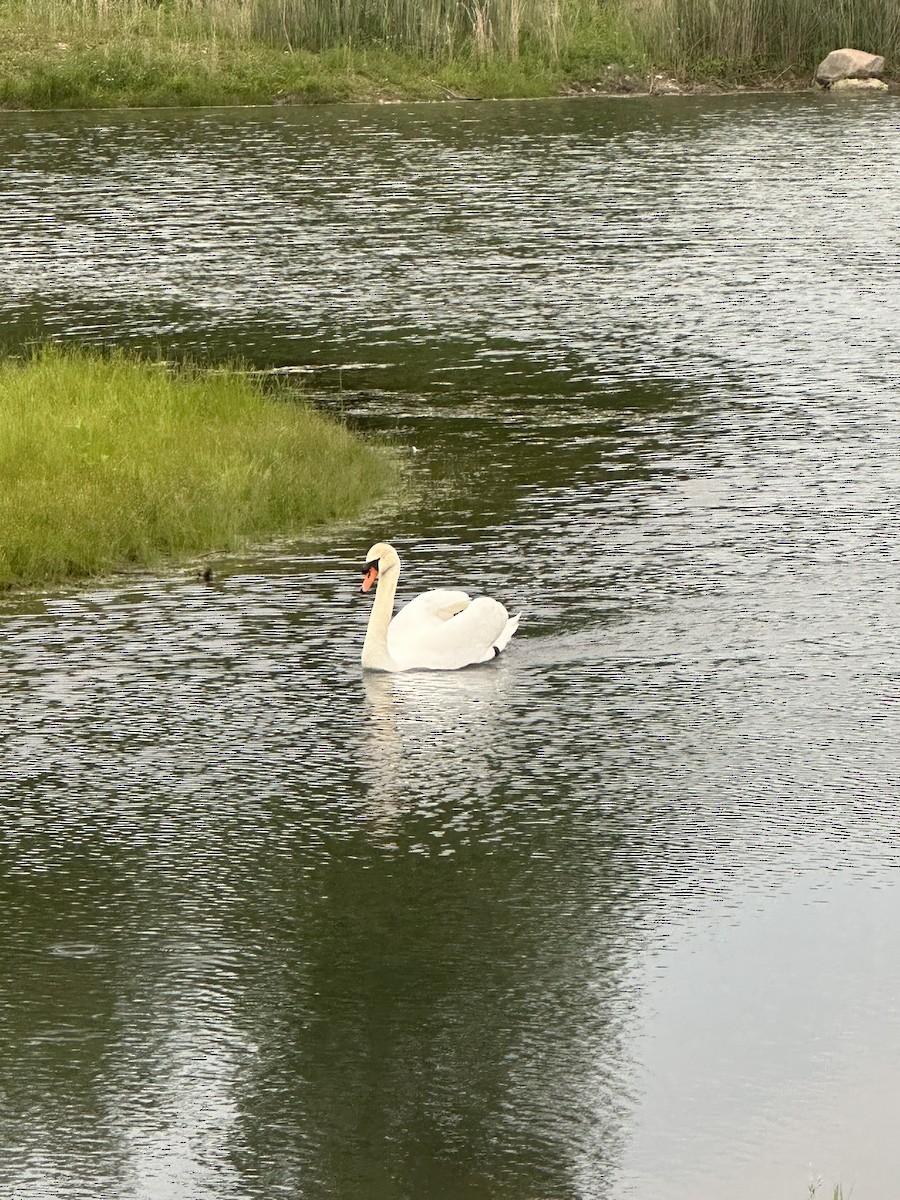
441, 630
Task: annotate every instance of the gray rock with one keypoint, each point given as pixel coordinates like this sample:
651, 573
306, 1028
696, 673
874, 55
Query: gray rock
849, 64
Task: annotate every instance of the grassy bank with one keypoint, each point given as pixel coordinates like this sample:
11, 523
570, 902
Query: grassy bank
113, 53
760, 39
111, 462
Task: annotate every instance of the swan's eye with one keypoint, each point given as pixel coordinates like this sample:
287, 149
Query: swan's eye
372, 565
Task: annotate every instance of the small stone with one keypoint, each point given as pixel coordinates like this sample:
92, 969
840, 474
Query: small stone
855, 85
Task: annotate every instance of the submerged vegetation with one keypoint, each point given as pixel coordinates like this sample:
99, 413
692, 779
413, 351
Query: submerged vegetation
106, 53
109, 462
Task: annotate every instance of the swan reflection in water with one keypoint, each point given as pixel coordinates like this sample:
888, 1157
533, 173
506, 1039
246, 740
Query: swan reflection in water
429, 733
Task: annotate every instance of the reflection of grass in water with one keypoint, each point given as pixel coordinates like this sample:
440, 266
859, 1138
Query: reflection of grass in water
108, 462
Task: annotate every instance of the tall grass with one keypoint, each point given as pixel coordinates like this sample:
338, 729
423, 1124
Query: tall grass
433, 28
110, 53
443, 29
110, 462
790, 35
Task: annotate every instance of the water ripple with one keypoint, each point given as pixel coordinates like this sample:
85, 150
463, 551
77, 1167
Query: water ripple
272, 927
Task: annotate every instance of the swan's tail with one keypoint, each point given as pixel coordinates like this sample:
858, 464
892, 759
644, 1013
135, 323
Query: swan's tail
506, 633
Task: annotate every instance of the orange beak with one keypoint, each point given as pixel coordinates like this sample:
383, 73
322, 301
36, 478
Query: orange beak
369, 578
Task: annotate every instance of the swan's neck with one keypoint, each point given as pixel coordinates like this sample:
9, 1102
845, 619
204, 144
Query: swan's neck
375, 648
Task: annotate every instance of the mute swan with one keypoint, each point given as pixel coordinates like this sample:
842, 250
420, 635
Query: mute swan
441, 630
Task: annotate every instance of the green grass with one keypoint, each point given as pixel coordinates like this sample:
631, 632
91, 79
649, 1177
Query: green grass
110, 462
115, 53
837, 1192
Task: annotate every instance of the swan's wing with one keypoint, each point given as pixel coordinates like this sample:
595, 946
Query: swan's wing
444, 629
423, 616
432, 608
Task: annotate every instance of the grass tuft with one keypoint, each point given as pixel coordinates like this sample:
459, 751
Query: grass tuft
110, 462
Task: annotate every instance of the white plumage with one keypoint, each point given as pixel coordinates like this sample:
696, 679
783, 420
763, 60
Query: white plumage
440, 630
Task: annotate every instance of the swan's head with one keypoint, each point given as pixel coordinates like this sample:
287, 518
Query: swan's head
380, 559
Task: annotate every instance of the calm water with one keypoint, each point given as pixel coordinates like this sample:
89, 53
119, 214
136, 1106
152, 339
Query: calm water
616, 916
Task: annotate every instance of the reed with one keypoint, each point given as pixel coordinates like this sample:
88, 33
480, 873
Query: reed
441, 29
109, 462
433, 28
111, 53
697, 36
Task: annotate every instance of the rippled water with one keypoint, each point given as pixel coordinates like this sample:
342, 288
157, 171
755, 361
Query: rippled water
615, 916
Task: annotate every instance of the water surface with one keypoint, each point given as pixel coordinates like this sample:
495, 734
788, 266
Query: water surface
615, 916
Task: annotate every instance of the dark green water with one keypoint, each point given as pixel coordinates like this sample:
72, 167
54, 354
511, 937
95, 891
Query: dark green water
616, 916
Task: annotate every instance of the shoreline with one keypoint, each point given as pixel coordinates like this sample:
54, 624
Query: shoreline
146, 75
660, 85
129, 54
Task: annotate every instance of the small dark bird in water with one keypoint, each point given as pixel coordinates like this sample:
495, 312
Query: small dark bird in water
207, 575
